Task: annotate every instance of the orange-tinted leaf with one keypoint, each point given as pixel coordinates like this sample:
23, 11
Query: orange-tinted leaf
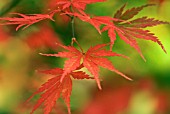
51, 91
77, 4
105, 63
74, 56
60, 54
132, 42
104, 53
96, 21
3, 35
110, 101
26, 20
92, 59
44, 86
84, 17
48, 90
55, 71
143, 34
66, 92
96, 48
51, 99
112, 35
53, 88
68, 48
93, 69
129, 30
44, 37
71, 65
80, 75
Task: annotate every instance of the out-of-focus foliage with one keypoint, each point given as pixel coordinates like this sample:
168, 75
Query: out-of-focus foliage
19, 59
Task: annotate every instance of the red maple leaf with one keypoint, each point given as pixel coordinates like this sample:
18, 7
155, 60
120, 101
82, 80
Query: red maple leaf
91, 60
95, 21
40, 38
53, 88
109, 101
26, 20
3, 35
76, 4
128, 30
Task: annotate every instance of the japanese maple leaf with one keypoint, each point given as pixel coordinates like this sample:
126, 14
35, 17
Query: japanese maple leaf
26, 20
91, 60
53, 88
108, 101
4, 36
128, 30
77, 4
40, 38
95, 21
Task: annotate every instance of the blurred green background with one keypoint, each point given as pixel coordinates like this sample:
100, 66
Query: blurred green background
149, 93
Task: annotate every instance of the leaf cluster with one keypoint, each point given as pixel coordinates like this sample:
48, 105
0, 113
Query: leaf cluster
120, 24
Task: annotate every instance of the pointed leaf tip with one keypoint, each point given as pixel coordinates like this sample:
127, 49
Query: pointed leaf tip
143, 57
99, 85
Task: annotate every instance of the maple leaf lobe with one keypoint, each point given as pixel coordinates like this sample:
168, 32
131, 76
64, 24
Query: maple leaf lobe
130, 30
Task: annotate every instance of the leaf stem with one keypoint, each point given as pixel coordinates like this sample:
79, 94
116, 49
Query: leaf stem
74, 40
73, 31
64, 12
72, 22
72, 26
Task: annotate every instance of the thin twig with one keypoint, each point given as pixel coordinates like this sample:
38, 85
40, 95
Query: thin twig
74, 40
72, 27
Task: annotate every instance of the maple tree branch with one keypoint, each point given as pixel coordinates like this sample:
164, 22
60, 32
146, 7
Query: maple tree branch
72, 23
